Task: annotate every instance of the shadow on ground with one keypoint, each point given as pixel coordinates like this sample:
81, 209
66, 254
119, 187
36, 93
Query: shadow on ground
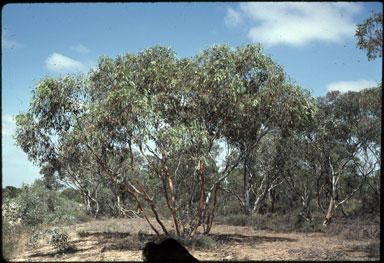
227, 239
71, 250
121, 241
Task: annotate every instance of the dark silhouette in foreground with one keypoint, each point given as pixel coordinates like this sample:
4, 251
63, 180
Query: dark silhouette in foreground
168, 250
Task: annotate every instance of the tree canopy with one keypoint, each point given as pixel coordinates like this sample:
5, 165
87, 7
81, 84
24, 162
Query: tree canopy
134, 120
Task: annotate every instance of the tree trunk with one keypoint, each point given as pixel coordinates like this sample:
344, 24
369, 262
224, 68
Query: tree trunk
246, 188
172, 205
335, 179
212, 216
200, 174
272, 200
328, 218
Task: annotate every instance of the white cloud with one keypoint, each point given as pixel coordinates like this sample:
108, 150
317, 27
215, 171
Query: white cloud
6, 43
80, 49
59, 63
233, 18
345, 86
295, 23
8, 124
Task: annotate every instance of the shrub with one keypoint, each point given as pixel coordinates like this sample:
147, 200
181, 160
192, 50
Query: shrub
201, 241
204, 241
40, 206
59, 239
12, 237
238, 220
10, 211
373, 249
72, 194
149, 212
355, 228
265, 221
275, 222
232, 207
8, 249
83, 233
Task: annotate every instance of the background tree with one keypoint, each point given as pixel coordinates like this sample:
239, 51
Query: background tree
340, 143
295, 162
10, 192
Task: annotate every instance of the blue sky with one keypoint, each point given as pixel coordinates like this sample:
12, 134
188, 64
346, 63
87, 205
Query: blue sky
314, 42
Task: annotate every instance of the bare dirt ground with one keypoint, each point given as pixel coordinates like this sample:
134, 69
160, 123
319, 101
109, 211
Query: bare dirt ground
112, 240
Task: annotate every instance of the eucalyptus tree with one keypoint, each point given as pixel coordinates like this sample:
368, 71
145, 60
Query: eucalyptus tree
369, 130
272, 104
153, 121
370, 36
296, 163
345, 145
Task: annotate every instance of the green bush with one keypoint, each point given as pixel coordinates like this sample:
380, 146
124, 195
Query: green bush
41, 206
11, 238
204, 241
228, 208
149, 212
238, 220
36, 206
59, 239
83, 233
8, 249
72, 194
201, 241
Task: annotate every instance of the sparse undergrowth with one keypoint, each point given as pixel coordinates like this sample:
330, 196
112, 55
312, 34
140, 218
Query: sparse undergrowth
356, 228
349, 228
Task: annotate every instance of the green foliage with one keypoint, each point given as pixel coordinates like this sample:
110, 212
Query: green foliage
34, 238
72, 194
83, 233
370, 36
170, 110
168, 132
204, 242
10, 192
238, 220
40, 206
345, 143
11, 237
8, 249
200, 242
58, 238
